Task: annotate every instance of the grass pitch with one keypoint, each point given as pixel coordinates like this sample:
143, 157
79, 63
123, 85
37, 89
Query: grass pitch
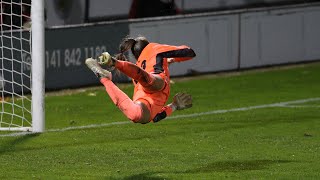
231, 132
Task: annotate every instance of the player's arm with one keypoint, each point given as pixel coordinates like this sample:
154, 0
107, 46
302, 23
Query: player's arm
180, 101
181, 53
174, 54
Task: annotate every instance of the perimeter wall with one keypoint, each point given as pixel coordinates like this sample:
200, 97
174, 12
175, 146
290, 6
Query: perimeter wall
227, 40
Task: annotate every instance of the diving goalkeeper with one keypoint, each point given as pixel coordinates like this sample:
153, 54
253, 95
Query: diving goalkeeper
150, 75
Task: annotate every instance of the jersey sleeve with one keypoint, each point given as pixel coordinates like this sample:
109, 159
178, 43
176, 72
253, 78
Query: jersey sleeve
179, 53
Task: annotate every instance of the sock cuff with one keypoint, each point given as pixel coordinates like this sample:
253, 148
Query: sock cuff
104, 80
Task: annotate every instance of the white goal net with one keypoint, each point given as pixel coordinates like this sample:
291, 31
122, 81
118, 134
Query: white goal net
16, 69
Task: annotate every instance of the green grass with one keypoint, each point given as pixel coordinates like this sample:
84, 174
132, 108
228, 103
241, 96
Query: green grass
265, 143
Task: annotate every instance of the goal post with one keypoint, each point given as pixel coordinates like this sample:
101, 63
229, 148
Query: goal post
22, 65
38, 65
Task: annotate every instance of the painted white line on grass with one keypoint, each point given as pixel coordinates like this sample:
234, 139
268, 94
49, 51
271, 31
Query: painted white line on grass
305, 106
280, 104
16, 134
88, 126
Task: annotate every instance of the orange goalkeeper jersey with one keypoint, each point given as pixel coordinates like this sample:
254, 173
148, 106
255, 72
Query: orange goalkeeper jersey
153, 59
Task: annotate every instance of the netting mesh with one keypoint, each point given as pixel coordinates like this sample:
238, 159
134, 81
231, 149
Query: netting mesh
15, 64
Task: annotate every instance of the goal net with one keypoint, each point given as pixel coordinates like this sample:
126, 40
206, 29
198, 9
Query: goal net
21, 82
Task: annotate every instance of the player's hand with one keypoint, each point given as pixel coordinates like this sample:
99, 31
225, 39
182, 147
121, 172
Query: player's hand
182, 101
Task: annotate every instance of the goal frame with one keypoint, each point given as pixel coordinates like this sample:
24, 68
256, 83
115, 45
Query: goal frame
37, 66
37, 72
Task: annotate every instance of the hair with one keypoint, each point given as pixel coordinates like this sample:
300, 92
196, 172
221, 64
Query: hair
136, 45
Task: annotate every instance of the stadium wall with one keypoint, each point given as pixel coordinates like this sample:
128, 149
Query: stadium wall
240, 39
67, 49
280, 36
227, 40
62, 12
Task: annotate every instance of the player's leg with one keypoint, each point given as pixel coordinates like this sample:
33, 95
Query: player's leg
151, 82
135, 111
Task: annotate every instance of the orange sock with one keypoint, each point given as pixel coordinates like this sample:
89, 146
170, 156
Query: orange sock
135, 72
131, 110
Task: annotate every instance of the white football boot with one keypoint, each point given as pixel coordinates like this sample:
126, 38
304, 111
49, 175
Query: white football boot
97, 70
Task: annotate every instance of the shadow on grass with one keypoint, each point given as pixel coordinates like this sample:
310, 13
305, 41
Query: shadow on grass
142, 176
236, 166
221, 166
10, 145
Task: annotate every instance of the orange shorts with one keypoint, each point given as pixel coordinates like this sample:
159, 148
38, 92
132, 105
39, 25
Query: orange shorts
153, 109
155, 101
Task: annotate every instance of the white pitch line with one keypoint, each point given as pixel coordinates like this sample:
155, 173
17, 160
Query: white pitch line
280, 104
88, 126
301, 101
302, 106
16, 134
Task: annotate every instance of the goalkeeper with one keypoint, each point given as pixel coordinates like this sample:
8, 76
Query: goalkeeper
150, 77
